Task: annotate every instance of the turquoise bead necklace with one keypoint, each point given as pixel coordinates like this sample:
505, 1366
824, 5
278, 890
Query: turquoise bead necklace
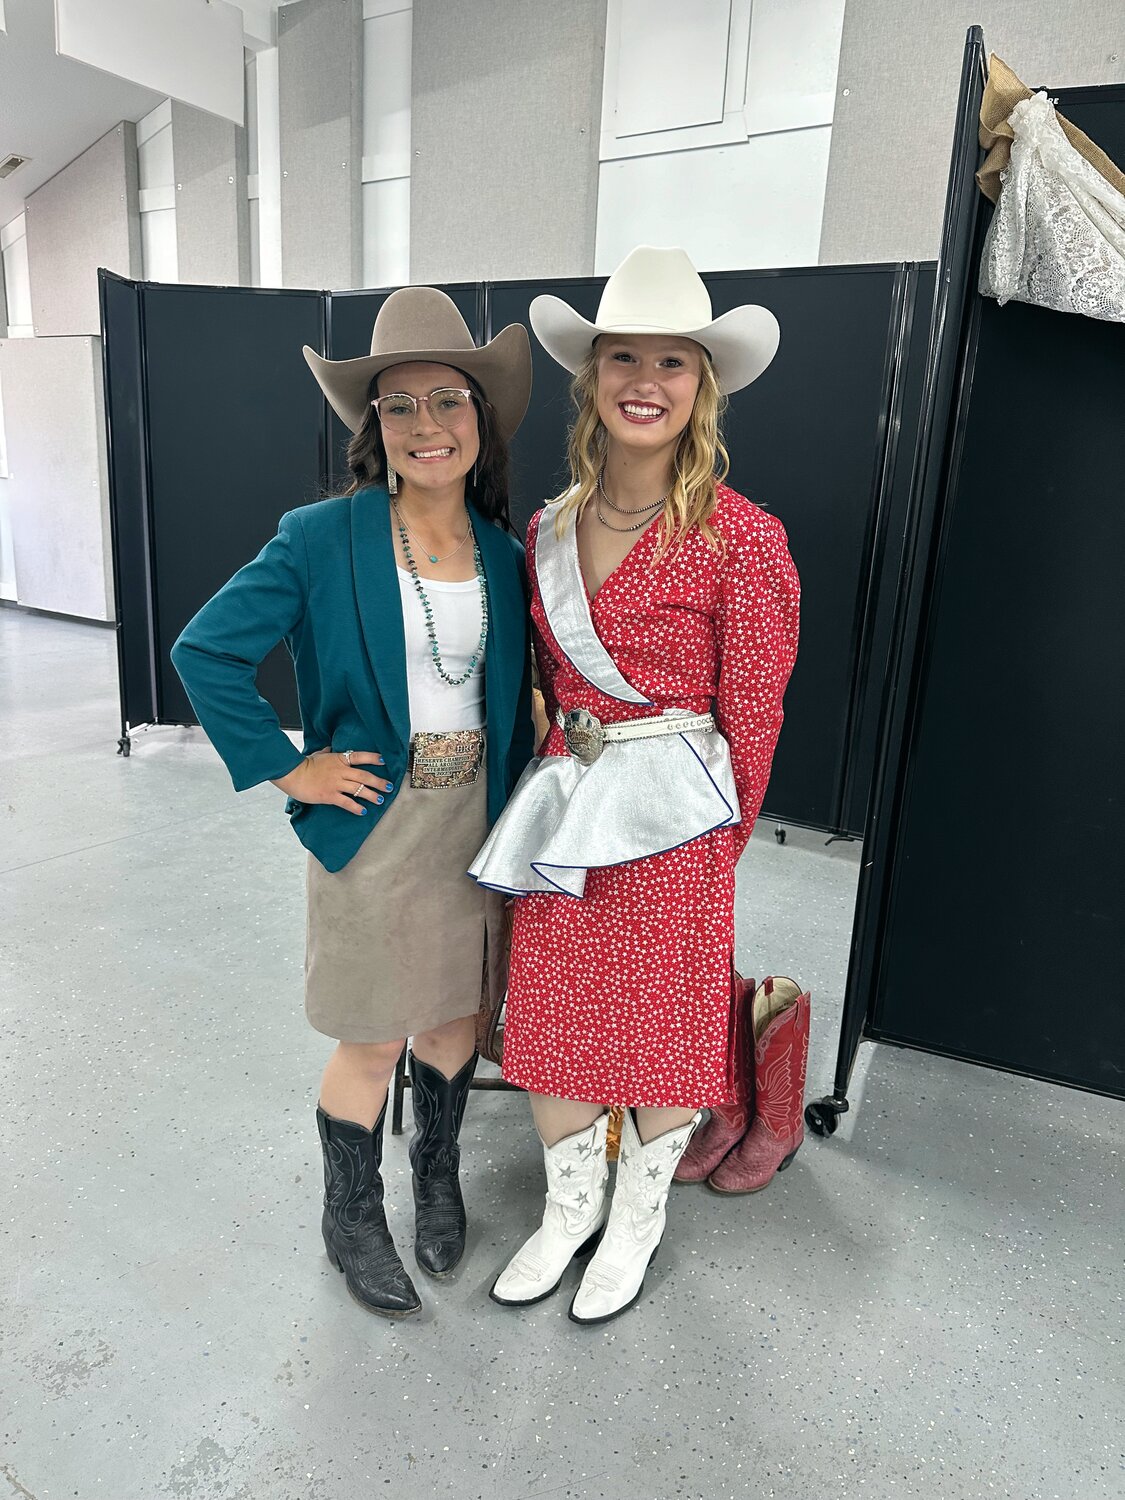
428, 608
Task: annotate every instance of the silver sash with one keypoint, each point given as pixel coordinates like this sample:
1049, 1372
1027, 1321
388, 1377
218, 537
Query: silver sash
639, 798
567, 607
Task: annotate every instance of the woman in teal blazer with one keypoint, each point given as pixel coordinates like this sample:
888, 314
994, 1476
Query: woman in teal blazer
403, 604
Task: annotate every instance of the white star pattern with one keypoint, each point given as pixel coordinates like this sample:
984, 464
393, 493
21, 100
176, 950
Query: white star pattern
623, 996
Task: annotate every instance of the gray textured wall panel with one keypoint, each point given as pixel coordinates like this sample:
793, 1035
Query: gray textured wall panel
506, 111
320, 76
893, 133
86, 216
212, 211
58, 489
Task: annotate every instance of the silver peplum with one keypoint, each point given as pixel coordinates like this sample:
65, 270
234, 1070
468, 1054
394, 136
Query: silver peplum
640, 797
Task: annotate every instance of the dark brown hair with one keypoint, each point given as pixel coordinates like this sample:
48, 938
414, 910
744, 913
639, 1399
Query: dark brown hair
367, 458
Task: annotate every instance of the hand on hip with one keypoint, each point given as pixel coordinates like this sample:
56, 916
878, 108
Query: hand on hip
337, 777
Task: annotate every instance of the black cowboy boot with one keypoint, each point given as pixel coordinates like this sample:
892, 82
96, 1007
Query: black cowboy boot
439, 1212
354, 1225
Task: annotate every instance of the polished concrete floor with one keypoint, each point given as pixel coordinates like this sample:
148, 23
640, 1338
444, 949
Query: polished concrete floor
927, 1305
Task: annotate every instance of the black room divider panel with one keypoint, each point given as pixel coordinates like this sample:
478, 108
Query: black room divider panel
888, 533
989, 923
231, 362
1020, 714
123, 376
819, 440
216, 428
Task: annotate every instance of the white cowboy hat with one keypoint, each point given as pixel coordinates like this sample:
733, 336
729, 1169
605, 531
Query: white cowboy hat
659, 291
422, 323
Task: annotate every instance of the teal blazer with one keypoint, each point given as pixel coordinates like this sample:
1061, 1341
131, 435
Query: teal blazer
327, 585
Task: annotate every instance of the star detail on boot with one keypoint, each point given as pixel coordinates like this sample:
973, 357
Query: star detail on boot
567, 1171
654, 1172
583, 1198
584, 1148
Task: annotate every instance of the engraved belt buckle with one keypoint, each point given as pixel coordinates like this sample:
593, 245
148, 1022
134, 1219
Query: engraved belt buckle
584, 735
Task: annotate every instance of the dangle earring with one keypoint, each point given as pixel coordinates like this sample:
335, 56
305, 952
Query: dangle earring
392, 481
475, 466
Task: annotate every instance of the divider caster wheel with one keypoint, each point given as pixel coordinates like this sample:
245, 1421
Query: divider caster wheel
779, 835
124, 745
823, 1115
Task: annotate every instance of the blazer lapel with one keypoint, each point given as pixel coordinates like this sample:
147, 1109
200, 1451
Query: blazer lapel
504, 649
375, 577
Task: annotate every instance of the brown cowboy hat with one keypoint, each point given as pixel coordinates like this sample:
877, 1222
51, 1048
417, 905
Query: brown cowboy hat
421, 323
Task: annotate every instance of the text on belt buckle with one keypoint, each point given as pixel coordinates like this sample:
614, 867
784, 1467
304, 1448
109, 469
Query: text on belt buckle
584, 735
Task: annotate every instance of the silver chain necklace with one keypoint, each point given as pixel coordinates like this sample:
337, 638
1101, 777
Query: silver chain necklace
433, 558
621, 530
621, 510
646, 512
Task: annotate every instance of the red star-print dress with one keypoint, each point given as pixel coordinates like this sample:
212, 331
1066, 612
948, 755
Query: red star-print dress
622, 995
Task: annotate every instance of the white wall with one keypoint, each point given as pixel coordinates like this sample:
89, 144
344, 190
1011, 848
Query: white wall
504, 119
17, 278
85, 218
17, 292
263, 125
388, 28
716, 124
320, 76
897, 95
76, 580
157, 179
58, 490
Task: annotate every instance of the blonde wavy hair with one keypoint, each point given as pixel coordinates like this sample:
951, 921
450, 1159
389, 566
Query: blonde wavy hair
701, 460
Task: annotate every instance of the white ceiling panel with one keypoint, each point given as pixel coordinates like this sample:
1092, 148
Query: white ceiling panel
190, 52
52, 109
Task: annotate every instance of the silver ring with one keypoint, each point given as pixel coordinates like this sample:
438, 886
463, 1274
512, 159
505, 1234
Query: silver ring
347, 754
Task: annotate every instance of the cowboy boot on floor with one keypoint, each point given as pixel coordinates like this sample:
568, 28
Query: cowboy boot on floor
576, 1208
435, 1156
615, 1277
781, 1054
728, 1122
354, 1225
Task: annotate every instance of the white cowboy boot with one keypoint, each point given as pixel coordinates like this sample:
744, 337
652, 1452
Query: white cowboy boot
576, 1210
615, 1277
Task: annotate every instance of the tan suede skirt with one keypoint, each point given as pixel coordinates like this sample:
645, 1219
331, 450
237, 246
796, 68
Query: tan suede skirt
395, 940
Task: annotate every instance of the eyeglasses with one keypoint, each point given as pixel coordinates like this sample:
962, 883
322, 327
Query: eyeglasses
448, 407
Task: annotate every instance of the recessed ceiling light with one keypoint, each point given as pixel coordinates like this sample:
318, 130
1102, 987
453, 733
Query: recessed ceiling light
11, 164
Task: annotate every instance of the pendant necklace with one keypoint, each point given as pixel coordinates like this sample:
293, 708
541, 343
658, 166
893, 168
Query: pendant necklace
432, 557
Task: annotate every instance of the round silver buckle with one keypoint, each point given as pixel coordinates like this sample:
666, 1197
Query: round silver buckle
584, 735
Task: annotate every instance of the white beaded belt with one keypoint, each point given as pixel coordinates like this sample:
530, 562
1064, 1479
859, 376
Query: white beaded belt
586, 736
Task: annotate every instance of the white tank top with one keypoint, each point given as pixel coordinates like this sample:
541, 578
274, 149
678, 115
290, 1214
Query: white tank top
434, 704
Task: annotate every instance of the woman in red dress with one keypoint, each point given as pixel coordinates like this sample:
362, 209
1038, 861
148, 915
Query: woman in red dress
664, 610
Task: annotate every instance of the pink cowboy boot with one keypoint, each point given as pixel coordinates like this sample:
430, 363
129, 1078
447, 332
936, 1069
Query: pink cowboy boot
781, 1053
728, 1122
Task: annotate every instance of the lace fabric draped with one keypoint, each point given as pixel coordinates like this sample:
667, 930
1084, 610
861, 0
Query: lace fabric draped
1057, 238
